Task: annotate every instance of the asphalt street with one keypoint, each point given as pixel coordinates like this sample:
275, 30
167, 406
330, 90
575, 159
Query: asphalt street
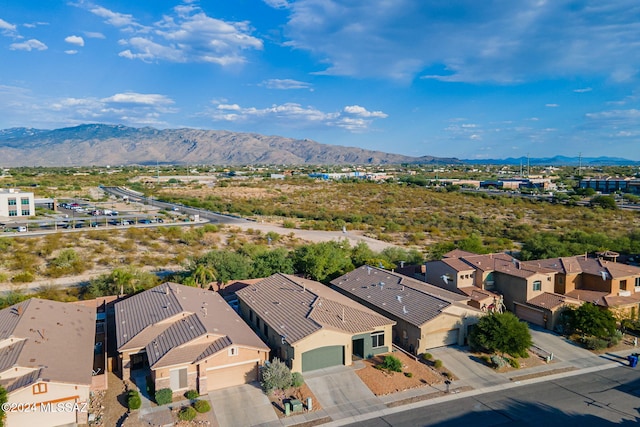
609, 397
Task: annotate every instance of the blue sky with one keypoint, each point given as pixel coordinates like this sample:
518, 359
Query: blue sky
457, 78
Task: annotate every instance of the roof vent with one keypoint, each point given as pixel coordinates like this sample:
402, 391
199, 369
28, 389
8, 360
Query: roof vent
368, 270
399, 298
404, 309
381, 284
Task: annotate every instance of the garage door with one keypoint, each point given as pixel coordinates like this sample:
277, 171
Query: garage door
441, 339
234, 375
530, 314
323, 357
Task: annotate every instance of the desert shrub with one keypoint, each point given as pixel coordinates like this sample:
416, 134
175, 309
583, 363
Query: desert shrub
437, 363
514, 363
498, 361
276, 376
408, 374
164, 396
392, 363
446, 374
191, 394
427, 356
594, 343
187, 414
297, 379
486, 359
201, 406
3, 277
133, 400
23, 277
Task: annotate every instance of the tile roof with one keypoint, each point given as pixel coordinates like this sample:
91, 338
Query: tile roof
592, 266
55, 339
457, 264
178, 324
551, 300
297, 308
477, 294
595, 297
13, 384
403, 297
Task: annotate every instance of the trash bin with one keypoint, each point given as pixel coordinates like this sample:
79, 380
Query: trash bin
633, 361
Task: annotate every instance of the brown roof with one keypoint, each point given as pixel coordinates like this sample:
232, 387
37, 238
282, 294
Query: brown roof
177, 324
595, 297
592, 266
458, 253
551, 300
55, 339
297, 308
477, 294
402, 297
457, 264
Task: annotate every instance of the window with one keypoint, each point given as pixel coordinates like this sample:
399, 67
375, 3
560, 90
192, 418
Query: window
12, 202
233, 351
623, 285
40, 388
24, 201
251, 315
537, 285
13, 213
377, 339
637, 281
26, 212
560, 280
266, 330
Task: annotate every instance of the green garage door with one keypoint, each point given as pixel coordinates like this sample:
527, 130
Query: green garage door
323, 357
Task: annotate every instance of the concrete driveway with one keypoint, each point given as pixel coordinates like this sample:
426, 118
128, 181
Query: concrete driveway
468, 370
243, 405
341, 393
563, 349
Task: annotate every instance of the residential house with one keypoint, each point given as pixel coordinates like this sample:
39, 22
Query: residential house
46, 361
188, 338
426, 316
310, 326
609, 284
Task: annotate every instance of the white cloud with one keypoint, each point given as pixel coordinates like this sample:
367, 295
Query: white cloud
138, 98
352, 118
77, 40
28, 45
495, 41
70, 52
583, 90
114, 18
94, 35
6, 28
277, 4
357, 110
285, 84
185, 35
551, 105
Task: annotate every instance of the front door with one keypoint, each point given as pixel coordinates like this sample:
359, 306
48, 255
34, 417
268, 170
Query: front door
358, 347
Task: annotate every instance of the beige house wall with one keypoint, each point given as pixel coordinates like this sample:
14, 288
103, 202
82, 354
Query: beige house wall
566, 283
518, 289
322, 338
61, 404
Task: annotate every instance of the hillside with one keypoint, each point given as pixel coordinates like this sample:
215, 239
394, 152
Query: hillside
98, 144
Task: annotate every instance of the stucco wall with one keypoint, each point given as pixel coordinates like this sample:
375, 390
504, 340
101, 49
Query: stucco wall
54, 407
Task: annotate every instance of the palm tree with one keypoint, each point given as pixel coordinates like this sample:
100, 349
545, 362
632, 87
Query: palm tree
204, 274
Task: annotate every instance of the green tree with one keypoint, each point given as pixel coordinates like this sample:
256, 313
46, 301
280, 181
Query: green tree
501, 332
270, 262
229, 265
588, 319
3, 399
605, 202
203, 274
276, 376
323, 261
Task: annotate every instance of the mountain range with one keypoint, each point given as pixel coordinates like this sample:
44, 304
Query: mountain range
101, 145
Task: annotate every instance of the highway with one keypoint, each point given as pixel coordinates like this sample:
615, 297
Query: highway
609, 397
204, 214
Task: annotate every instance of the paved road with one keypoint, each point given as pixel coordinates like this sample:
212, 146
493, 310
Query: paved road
604, 398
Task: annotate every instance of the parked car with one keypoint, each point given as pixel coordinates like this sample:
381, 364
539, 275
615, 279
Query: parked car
22, 229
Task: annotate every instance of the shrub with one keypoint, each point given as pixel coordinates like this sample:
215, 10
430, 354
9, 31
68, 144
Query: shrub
24, 277
133, 400
191, 394
201, 406
187, 414
297, 379
392, 363
498, 361
427, 356
164, 396
275, 376
486, 359
514, 363
408, 374
437, 364
594, 343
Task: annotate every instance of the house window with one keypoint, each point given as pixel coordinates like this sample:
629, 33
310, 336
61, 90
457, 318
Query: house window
537, 285
24, 201
251, 315
12, 202
623, 285
26, 212
40, 388
377, 339
233, 351
637, 281
13, 213
265, 329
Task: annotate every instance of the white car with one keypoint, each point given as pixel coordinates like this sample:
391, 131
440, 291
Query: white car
22, 229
